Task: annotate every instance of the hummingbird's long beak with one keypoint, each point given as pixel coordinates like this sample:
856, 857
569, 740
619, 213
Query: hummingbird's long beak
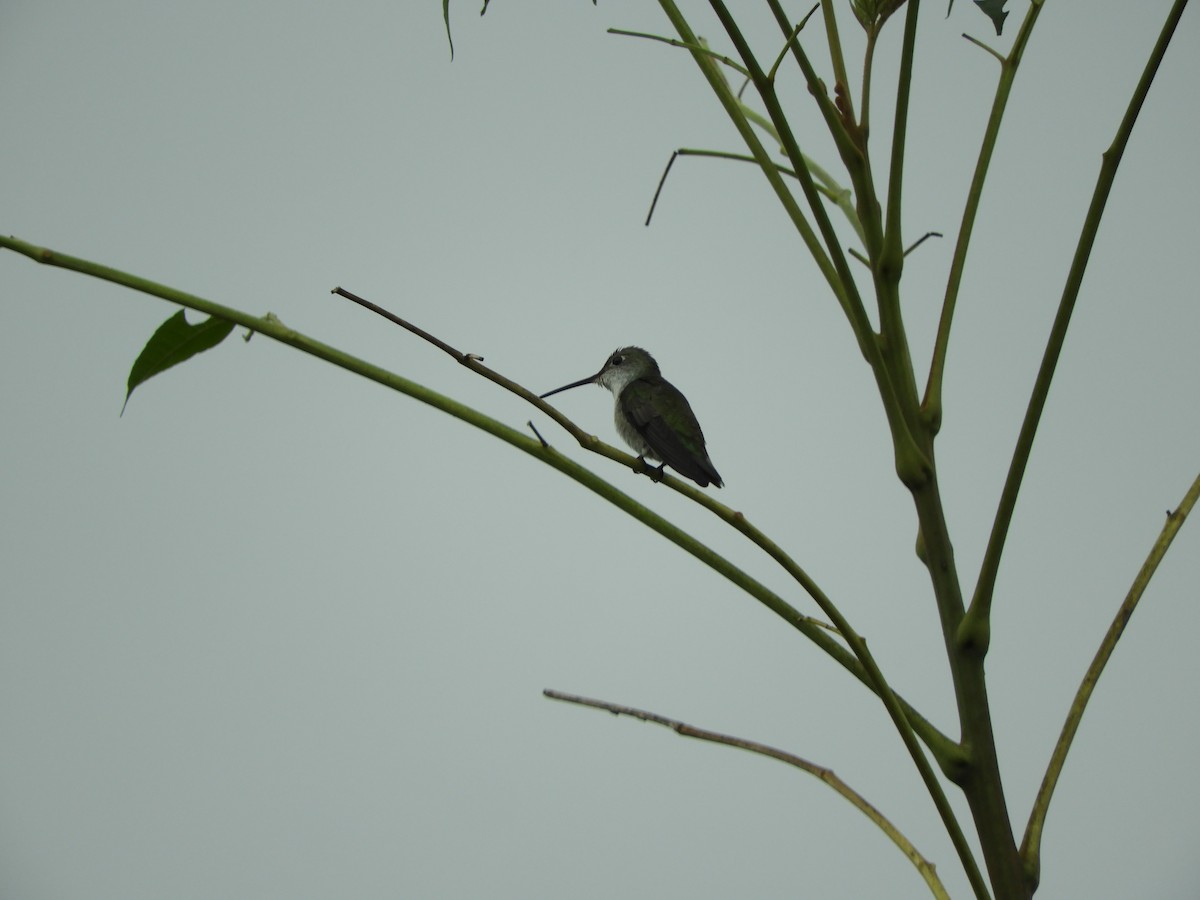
573, 384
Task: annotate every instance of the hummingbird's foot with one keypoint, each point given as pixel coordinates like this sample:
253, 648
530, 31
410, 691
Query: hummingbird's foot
655, 475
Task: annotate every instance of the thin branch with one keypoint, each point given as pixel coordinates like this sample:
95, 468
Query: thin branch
828, 776
982, 46
835, 267
890, 265
979, 612
900, 129
472, 361
829, 188
835, 55
931, 404
849, 140
697, 47
464, 358
537, 434
1031, 845
658, 190
795, 35
846, 294
864, 114
922, 239
911, 464
736, 111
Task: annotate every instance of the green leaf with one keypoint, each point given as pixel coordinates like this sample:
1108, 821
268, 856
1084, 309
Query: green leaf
174, 342
994, 10
871, 14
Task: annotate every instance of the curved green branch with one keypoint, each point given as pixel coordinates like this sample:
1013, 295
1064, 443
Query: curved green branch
1031, 845
931, 405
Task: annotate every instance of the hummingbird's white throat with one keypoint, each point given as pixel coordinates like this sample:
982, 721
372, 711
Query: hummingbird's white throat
625, 365
616, 377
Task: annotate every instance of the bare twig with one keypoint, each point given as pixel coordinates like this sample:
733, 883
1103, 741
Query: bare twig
658, 190
923, 866
537, 434
922, 239
842, 197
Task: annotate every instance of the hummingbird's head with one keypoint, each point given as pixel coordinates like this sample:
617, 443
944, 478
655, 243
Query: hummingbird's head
625, 365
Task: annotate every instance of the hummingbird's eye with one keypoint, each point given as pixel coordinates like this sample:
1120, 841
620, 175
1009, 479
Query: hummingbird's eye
617, 359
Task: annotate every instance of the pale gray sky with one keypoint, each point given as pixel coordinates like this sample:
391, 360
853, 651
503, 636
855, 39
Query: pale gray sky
280, 633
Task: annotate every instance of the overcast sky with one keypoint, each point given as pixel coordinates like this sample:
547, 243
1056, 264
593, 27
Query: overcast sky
278, 632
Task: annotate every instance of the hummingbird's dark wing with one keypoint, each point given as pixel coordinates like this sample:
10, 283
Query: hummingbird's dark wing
662, 416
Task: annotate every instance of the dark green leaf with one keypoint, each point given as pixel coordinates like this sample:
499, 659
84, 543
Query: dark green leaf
173, 342
871, 14
994, 10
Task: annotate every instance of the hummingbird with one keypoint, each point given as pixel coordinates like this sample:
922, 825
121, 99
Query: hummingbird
652, 416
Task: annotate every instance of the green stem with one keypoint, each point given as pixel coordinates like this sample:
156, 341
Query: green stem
1031, 846
947, 753
836, 57
981, 603
850, 147
979, 774
864, 121
911, 463
932, 403
889, 266
733, 108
